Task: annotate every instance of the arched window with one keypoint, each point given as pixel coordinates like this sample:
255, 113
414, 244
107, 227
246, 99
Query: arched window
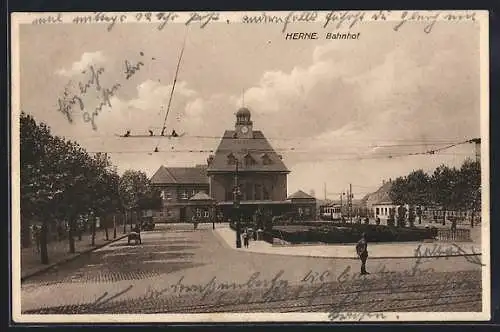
249, 161
266, 160
231, 159
265, 193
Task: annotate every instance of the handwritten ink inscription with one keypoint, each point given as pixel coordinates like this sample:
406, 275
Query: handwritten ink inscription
346, 296
78, 98
330, 19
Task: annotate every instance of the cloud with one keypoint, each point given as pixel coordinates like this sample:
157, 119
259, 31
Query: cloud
352, 103
87, 59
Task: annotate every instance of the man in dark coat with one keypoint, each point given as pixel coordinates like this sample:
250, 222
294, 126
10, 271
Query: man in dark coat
362, 251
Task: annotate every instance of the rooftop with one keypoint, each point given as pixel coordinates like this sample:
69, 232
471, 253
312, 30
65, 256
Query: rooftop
180, 175
381, 195
300, 195
257, 149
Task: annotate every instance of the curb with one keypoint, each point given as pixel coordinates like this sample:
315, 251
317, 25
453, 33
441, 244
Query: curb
67, 260
341, 257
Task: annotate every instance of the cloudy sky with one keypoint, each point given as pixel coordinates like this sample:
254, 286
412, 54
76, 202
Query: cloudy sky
335, 110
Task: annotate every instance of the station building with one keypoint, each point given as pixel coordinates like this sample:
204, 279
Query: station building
244, 157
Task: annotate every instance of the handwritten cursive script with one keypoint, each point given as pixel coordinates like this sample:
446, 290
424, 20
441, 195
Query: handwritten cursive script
79, 97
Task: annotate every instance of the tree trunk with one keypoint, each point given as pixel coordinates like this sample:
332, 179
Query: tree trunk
131, 217
93, 230
26, 233
71, 239
44, 255
106, 228
114, 226
125, 223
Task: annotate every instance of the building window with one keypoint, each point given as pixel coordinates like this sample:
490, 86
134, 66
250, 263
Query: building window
266, 160
307, 211
265, 193
231, 159
257, 192
229, 195
184, 195
247, 189
249, 161
207, 214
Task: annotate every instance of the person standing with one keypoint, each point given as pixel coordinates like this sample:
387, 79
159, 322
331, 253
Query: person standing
245, 238
362, 251
453, 228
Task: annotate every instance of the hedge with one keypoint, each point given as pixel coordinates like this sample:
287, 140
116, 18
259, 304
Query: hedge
351, 233
345, 233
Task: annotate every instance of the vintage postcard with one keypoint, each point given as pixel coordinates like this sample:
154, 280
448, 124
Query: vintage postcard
250, 166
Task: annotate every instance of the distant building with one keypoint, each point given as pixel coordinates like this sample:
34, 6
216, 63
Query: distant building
303, 205
177, 185
379, 203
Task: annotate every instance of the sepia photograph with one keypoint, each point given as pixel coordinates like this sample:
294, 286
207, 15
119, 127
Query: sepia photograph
250, 166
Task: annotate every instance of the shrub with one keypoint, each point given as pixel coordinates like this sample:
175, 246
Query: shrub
350, 234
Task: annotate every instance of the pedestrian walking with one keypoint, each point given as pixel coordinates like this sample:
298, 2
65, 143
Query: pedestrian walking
195, 222
362, 251
245, 239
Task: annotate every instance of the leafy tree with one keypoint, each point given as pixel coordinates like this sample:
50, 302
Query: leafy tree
469, 187
60, 181
136, 191
399, 191
444, 186
412, 190
38, 181
418, 183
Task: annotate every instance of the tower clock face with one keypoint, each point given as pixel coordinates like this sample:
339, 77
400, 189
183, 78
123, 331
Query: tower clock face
244, 129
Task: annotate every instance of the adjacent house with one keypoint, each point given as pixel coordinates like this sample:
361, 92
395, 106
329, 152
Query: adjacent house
303, 205
177, 185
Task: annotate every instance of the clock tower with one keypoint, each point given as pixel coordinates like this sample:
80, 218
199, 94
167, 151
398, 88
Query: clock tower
243, 127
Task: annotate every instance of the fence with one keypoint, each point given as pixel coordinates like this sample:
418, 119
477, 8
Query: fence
459, 234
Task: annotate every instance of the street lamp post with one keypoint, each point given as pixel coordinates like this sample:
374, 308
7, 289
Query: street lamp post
236, 205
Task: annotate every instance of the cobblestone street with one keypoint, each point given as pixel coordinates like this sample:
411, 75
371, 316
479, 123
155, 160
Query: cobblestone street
178, 269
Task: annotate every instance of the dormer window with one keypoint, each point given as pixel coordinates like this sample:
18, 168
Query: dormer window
266, 160
231, 159
249, 161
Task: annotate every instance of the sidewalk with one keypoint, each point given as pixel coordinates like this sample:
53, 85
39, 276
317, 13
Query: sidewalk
347, 251
58, 251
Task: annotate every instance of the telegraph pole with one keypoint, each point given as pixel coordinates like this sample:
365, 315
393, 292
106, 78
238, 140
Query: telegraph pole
477, 147
236, 205
350, 201
341, 205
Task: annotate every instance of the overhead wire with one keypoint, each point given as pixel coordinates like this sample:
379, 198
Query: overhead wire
173, 88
